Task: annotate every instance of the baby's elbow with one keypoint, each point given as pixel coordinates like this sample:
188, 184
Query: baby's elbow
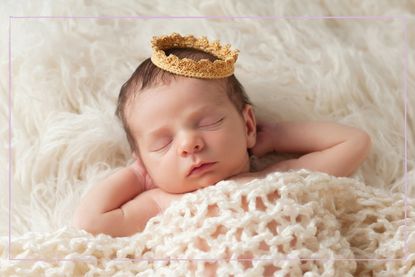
83, 222
362, 145
78, 221
366, 143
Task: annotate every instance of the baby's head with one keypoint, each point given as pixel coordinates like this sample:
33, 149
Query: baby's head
175, 123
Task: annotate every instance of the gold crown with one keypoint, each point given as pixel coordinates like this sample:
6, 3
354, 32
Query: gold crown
220, 68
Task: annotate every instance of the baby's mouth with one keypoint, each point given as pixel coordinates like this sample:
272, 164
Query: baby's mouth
197, 169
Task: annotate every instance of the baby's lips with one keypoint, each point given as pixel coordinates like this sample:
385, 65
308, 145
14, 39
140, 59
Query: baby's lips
197, 165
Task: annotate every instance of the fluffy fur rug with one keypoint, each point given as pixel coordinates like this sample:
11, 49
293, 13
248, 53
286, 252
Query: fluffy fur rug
65, 79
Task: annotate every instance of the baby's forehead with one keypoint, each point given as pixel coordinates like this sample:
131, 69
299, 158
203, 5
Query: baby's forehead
217, 87
217, 84
206, 95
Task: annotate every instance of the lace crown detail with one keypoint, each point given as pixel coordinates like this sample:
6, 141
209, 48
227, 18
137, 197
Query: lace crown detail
220, 68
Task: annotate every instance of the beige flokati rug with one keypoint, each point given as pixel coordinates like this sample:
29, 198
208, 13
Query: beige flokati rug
66, 76
275, 221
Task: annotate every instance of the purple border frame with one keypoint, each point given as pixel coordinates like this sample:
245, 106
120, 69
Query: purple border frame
405, 98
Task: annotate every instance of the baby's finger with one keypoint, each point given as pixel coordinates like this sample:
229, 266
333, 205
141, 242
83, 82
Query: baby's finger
259, 150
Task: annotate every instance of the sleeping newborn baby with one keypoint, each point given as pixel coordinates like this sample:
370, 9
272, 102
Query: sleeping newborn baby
191, 125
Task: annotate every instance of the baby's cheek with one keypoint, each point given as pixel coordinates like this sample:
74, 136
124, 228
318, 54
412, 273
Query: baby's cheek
166, 175
235, 147
220, 141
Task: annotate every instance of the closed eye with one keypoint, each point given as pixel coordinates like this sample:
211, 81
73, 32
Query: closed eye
160, 145
209, 123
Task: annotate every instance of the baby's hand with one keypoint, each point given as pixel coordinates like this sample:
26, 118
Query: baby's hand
265, 139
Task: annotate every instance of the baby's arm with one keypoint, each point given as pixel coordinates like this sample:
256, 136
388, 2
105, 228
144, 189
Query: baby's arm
328, 147
119, 206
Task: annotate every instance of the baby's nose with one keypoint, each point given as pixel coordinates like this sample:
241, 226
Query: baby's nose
191, 143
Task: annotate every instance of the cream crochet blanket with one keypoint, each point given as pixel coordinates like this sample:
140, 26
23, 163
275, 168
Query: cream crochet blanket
255, 229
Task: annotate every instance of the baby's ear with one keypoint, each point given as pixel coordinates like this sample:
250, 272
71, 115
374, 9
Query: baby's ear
250, 125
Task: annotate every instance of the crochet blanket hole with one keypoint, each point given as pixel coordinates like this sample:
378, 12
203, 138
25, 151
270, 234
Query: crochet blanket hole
244, 259
272, 226
269, 270
272, 196
244, 203
259, 203
202, 244
213, 210
220, 230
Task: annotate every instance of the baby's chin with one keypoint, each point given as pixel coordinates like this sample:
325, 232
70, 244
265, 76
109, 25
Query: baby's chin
210, 181
193, 185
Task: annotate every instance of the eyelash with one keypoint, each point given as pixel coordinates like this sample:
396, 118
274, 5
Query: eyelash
214, 123
161, 148
207, 125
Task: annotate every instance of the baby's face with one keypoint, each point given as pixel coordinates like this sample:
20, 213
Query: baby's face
190, 135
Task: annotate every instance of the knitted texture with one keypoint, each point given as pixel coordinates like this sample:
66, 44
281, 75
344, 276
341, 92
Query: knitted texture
220, 68
260, 228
